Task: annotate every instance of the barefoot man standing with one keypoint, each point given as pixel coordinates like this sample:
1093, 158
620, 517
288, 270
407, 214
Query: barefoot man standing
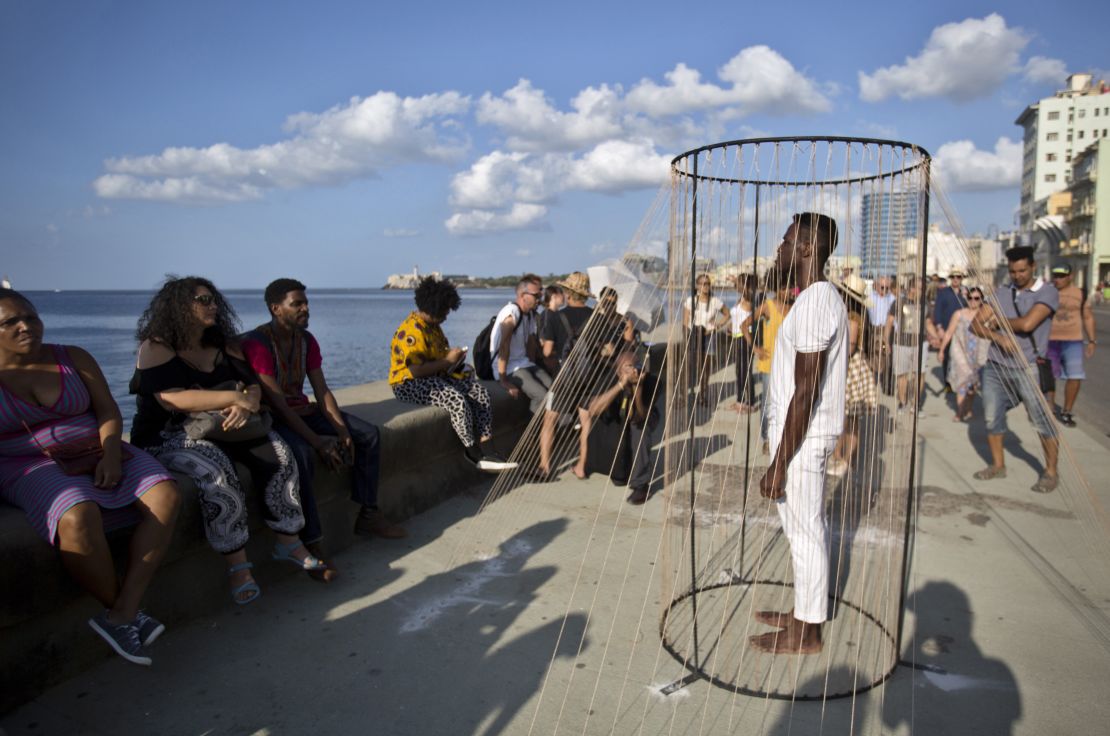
805, 415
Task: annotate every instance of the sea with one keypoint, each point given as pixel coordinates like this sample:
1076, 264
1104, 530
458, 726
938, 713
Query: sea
353, 327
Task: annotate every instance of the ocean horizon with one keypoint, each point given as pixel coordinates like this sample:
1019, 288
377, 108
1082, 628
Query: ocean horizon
353, 326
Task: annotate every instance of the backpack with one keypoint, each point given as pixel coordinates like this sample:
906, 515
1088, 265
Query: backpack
483, 360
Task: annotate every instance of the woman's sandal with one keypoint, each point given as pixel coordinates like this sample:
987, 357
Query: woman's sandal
248, 587
284, 553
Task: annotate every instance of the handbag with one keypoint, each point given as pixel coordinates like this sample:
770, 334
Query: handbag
209, 425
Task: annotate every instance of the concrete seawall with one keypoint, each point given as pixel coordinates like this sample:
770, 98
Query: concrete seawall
44, 637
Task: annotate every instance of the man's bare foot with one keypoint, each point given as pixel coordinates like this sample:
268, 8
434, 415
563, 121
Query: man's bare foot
579, 471
779, 619
797, 637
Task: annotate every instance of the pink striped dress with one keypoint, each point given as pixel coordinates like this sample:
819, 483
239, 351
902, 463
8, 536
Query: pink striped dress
34, 483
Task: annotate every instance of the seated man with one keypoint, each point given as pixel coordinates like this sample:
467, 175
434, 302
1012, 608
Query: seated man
629, 403
515, 351
283, 353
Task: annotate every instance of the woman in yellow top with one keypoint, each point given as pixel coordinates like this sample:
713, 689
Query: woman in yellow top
768, 317
424, 369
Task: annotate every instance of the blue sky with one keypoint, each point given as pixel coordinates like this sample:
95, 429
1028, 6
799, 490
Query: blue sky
341, 142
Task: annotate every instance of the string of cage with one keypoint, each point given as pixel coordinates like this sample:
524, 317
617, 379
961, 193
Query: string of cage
1100, 512
672, 398
620, 598
524, 452
527, 449
1096, 538
669, 414
575, 588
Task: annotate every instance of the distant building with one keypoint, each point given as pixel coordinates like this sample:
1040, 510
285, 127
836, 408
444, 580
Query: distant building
1057, 129
888, 219
1087, 248
408, 280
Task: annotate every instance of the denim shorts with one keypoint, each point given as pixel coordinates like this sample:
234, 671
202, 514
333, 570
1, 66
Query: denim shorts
1067, 359
1004, 388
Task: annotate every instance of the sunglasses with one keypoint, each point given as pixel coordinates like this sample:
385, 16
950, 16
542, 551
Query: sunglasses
975, 298
205, 300
1060, 275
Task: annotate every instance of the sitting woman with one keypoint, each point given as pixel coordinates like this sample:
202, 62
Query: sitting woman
189, 362
63, 463
424, 370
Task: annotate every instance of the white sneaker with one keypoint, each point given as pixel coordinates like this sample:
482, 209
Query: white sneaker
495, 464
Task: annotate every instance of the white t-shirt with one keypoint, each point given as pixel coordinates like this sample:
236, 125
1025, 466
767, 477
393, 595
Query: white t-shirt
738, 314
706, 313
818, 321
518, 346
880, 308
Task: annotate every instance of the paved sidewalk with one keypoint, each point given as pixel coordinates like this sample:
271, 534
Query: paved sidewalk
1011, 632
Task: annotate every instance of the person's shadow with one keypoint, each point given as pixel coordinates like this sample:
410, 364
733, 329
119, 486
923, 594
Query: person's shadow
950, 688
955, 688
444, 642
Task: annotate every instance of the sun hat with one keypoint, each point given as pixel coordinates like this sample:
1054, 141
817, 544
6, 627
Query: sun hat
577, 282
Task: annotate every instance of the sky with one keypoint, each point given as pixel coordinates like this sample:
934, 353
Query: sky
341, 142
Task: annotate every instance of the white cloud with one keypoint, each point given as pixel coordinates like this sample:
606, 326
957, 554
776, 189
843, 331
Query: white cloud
521, 216
758, 79
961, 61
533, 124
523, 252
501, 180
347, 142
961, 166
51, 228
400, 232
1042, 70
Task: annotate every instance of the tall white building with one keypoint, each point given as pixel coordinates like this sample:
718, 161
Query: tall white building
1057, 129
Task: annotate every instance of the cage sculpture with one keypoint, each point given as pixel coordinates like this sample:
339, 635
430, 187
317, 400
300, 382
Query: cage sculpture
725, 553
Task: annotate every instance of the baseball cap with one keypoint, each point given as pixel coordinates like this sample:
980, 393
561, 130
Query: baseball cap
1062, 269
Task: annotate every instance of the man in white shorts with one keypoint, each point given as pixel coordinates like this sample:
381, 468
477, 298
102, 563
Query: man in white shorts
805, 411
903, 324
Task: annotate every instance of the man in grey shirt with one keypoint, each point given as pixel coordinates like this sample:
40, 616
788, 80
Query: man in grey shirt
1027, 304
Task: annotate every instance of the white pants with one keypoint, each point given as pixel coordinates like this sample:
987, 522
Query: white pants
802, 511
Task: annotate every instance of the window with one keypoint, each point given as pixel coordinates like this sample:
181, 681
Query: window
1079, 135
1054, 115
1052, 137
1050, 157
1050, 177
1082, 113
1096, 112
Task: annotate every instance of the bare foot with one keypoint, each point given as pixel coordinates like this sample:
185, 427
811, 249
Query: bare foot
797, 637
579, 471
779, 619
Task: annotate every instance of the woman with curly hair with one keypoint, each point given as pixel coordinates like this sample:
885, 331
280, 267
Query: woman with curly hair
423, 369
63, 462
190, 361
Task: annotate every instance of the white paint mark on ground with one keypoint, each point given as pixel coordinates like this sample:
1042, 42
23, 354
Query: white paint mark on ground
950, 682
467, 591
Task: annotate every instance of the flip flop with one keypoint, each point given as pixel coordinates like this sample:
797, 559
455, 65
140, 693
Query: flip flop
248, 587
284, 553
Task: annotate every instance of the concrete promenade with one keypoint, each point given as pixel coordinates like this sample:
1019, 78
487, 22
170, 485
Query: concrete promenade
1011, 633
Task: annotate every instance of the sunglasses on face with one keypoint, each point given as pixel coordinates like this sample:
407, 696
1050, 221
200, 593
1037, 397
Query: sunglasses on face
205, 300
975, 298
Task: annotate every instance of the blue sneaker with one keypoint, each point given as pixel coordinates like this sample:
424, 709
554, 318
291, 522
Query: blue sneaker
150, 628
124, 638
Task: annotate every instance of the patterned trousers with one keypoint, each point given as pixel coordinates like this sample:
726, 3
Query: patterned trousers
211, 465
466, 401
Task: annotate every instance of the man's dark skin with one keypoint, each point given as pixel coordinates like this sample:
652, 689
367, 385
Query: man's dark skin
801, 261
286, 318
987, 324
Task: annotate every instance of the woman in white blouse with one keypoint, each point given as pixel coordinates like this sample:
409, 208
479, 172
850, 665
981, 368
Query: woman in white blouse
703, 315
